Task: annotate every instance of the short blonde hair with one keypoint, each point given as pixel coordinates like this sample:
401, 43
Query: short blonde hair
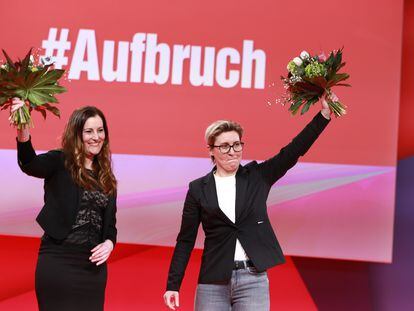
218, 127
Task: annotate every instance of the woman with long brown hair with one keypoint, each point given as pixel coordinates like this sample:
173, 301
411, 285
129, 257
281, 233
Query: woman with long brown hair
78, 216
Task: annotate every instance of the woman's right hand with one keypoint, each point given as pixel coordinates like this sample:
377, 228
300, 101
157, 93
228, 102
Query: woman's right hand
23, 134
171, 299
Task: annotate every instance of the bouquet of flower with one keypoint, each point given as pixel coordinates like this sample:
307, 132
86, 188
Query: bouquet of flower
311, 77
32, 85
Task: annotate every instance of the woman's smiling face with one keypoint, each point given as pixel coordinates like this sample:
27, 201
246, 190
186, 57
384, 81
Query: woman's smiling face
93, 136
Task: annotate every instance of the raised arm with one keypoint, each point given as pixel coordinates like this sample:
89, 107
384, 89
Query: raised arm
277, 166
42, 165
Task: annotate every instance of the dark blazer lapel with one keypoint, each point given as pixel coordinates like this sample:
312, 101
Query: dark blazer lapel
210, 193
241, 189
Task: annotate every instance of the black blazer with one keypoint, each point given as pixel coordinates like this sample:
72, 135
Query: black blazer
252, 227
62, 196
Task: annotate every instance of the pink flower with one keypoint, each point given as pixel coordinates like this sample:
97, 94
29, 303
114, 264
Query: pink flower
17, 103
333, 97
322, 57
304, 55
298, 62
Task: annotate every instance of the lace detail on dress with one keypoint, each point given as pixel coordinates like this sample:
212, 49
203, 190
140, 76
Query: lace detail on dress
87, 229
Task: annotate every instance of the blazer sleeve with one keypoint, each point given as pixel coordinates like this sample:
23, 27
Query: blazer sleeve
277, 166
112, 231
185, 241
42, 165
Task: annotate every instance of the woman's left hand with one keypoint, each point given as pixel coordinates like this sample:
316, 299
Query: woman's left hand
101, 252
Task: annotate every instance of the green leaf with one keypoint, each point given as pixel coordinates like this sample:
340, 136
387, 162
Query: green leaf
337, 78
40, 98
305, 107
50, 77
340, 66
309, 103
295, 106
33, 77
20, 93
50, 89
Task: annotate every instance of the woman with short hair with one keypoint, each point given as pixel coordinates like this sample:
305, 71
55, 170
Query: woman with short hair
230, 202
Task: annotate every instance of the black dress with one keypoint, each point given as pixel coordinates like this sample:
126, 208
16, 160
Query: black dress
65, 277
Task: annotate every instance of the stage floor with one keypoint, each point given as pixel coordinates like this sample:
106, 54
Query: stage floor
137, 278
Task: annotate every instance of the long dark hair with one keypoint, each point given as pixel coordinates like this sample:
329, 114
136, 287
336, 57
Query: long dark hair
73, 149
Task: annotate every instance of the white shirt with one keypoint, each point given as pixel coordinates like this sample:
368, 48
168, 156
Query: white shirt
226, 195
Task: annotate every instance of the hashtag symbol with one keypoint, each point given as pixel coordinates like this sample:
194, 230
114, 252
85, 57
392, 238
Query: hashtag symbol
52, 45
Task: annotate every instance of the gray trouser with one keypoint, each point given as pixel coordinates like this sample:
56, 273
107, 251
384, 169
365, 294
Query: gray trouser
246, 291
